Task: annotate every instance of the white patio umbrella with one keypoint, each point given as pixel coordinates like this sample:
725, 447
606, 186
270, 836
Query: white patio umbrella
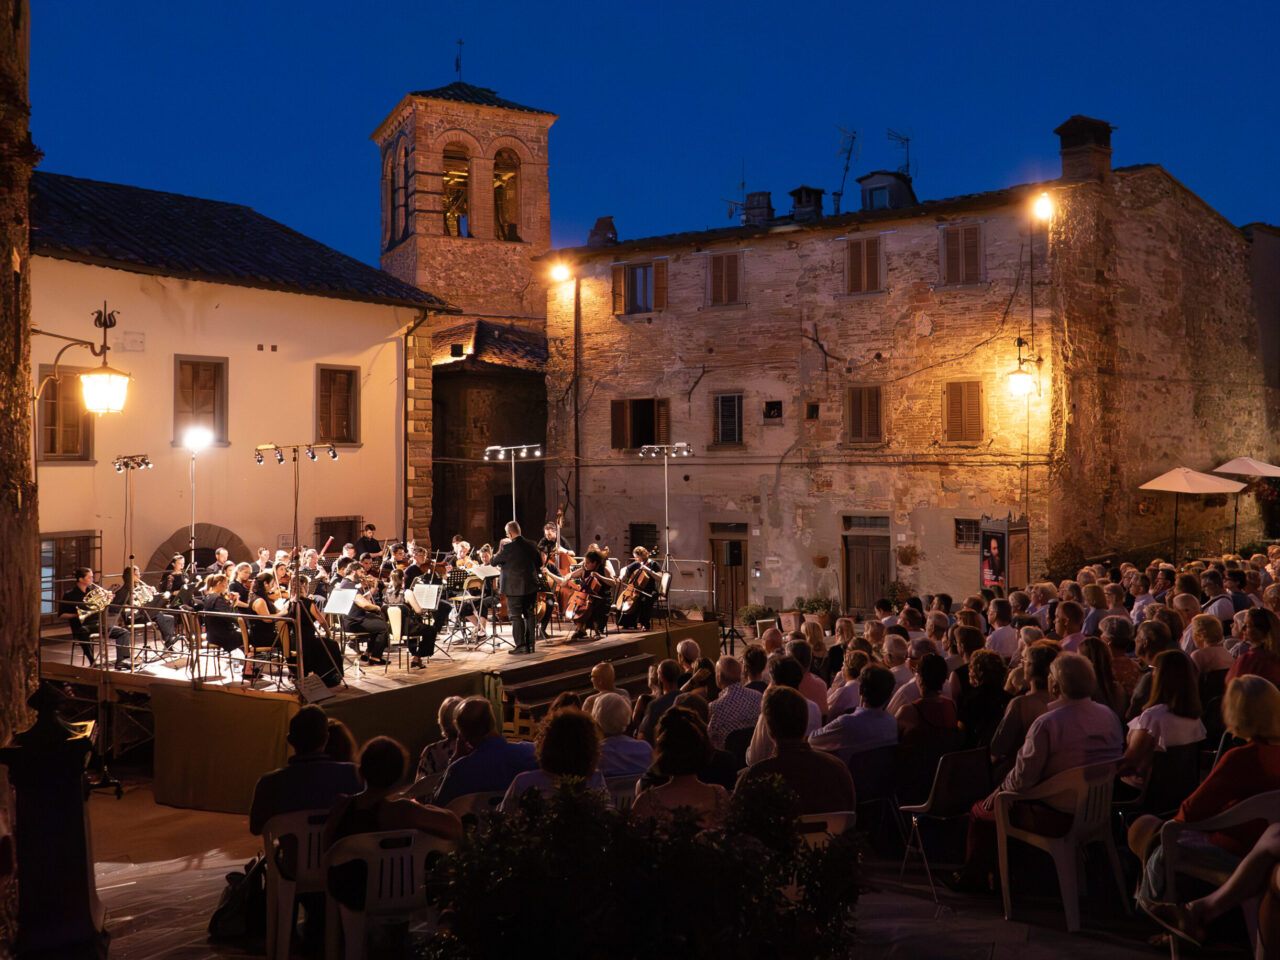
1182, 480
1245, 467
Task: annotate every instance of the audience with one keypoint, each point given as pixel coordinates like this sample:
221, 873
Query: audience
620, 755
787, 672
736, 707
1170, 718
567, 745
1024, 708
754, 662
1107, 692
603, 680
811, 685
982, 704
1263, 637
682, 749
669, 678
869, 726
1209, 655
491, 763
310, 780
438, 755
844, 696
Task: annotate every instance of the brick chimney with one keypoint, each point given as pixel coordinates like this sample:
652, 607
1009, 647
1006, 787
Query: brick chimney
1086, 148
603, 234
806, 203
759, 209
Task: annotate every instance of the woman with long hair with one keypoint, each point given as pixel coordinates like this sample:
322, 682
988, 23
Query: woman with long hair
1171, 717
1262, 632
1109, 692
682, 748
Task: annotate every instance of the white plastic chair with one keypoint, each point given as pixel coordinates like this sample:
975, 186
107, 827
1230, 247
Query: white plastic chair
1086, 791
306, 827
476, 804
1178, 860
395, 862
817, 829
622, 791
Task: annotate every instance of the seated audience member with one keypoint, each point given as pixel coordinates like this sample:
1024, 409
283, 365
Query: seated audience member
1172, 619
723, 766
491, 763
884, 611
771, 641
687, 653
341, 747
811, 685
603, 680
844, 633
1251, 712
437, 756
1107, 692
844, 697
937, 630
682, 749
736, 707
310, 780
1171, 717
565, 698
982, 708
869, 726
817, 641
620, 755
1024, 708
641, 706
786, 672
567, 744
1019, 601
926, 719
1016, 681
1187, 607
822, 782
1117, 632
967, 641
1236, 644
895, 658
703, 681
1068, 623
1073, 732
912, 620
910, 691
1263, 635
874, 632
754, 662
1003, 639
1210, 655
669, 678
1219, 601
1151, 639
1114, 594
1095, 608
1142, 596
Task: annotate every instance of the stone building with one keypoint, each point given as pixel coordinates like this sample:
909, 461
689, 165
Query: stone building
465, 212
845, 381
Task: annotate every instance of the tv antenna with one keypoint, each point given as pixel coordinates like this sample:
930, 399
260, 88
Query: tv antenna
457, 62
851, 150
903, 140
739, 207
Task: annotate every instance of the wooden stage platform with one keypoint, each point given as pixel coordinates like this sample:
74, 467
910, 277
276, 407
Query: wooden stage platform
214, 735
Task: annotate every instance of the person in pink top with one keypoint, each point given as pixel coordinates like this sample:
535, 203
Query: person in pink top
1068, 623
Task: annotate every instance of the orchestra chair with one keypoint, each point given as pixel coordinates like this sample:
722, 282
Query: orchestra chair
295, 864
395, 620
261, 657
1087, 791
1180, 859
663, 600
196, 642
395, 872
817, 829
962, 779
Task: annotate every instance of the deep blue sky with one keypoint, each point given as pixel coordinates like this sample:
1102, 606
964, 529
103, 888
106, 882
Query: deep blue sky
271, 103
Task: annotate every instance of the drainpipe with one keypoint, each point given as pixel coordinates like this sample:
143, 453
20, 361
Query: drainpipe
578, 526
404, 517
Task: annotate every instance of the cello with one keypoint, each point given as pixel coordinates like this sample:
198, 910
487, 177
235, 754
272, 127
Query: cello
561, 563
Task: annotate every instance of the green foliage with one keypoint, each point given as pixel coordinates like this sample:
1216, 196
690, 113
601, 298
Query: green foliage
818, 605
1063, 562
752, 612
897, 591
577, 878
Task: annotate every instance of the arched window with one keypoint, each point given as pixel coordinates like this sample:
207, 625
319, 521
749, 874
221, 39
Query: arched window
399, 224
457, 173
388, 200
506, 195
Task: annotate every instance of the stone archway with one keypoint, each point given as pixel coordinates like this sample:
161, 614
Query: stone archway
209, 536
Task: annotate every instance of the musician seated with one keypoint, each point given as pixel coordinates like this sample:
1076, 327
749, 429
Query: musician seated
221, 561
73, 603
419, 636
642, 574
221, 631
365, 616
591, 613
138, 607
176, 582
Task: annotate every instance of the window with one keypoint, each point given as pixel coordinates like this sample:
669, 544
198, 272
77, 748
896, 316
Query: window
642, 535
64, 426
342, 529
723, 278
771, 412
962, 254
400, 220
60, 554
457, 179
962, 411
877, 199
635, 423
639, 287
862, 415
812, 411
200, 396
862, 266
726, 418
506, 195
967, 534
338, 404
860, 521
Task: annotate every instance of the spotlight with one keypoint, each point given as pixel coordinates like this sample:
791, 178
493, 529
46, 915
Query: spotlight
502, 454
486, 454
524, 451
257, 457
537, 452
279, 456
119, 466
311, 454
333, 454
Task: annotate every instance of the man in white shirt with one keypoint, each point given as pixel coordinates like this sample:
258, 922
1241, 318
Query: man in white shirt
913, 620
868, 727
1140, 589
736, 706
1068, 621
895, 658
1003, 639
603, 679
1187, 607
909, 692
787, 672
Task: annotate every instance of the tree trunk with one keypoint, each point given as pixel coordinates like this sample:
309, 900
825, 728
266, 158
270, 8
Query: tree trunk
19, 520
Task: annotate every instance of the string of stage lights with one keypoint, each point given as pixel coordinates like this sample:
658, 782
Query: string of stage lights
308, 449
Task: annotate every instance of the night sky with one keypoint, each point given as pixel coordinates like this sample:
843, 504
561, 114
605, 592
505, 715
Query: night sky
271, 103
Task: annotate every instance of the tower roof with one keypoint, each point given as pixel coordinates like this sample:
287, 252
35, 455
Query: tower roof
470, 93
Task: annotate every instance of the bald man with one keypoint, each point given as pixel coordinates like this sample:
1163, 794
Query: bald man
603, 679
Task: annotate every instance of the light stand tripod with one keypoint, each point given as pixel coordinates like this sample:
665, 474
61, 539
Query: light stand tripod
731, 567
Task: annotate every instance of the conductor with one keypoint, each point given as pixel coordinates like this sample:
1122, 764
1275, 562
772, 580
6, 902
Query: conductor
520, 560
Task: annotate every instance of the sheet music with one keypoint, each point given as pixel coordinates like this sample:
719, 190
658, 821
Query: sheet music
427, 595
341, 601
485, 572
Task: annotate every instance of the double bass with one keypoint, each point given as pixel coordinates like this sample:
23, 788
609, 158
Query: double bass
562, 563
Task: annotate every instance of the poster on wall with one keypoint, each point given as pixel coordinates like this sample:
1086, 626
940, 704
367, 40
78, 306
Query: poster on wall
994, 555
1004, 554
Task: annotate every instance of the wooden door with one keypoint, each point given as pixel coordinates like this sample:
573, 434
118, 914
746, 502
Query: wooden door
730, 582
867, 570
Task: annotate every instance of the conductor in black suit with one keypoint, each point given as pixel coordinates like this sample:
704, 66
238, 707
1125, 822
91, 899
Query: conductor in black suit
520, 560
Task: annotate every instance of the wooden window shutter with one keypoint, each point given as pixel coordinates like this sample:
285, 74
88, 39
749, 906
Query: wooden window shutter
871, 404
717, 280
618, 423
951, 255
872, 273
732, 265
619, 288
854, 415
953, 415
853, 267
662, 420
973, 410
659, 284
972, 254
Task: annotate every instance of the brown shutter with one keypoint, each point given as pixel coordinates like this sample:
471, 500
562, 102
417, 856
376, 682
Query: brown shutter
618, 424
872, 274
953, 412
871, 403
659, 284
619, 288
952, 262
973, 410
662, 421
717, 279
972, 254
854, 416
853, 267
732, 266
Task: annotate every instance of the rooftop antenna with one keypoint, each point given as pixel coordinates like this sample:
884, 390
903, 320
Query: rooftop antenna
904, 141
848, 144
739, 207
457, 62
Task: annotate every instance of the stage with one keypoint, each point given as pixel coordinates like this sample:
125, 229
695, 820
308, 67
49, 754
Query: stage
215, 735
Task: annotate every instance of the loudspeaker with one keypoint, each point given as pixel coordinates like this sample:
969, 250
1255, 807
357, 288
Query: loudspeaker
732, 553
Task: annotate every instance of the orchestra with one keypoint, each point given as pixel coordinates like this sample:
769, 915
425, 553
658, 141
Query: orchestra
524, 583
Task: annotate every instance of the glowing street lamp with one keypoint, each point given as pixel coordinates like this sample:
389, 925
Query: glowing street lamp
560, 273
523, 450
195, 439
1043, 207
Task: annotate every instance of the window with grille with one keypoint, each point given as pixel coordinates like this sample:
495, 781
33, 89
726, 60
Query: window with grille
863, 414
962, 411
60, 554
725, 279
967, 534
337, 404
64, 427
640, 287
862, 266
642, 535
865, 522
342, 529
726, 423
636, 423
200, 396
962, 254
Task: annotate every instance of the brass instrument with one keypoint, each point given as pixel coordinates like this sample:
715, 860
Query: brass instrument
143, 594
95, 601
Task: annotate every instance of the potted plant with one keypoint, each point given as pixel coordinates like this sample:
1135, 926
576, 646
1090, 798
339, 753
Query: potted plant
820, 610
789, 620
749, 614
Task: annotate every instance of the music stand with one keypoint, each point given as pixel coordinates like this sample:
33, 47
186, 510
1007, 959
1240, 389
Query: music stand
487, 575
455, 593
339, 604
427, 596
